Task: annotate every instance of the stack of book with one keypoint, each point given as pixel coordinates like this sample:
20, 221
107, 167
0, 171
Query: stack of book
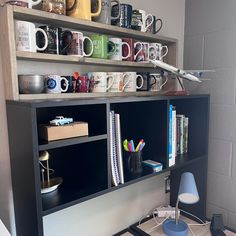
178, 134
116, 150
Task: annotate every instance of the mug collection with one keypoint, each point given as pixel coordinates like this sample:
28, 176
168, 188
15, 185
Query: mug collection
91, 82
50, 39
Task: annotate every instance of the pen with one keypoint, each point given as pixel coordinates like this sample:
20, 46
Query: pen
132, 145
137, 148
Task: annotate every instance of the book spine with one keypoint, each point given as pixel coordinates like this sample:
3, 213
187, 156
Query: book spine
181, 132
171, 162
178, 134
185, 135
174, 133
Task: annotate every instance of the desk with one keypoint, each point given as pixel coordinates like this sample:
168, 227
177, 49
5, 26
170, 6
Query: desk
147, 225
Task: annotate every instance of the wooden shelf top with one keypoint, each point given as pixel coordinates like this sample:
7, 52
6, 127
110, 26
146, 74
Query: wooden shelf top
32, 56
43, 17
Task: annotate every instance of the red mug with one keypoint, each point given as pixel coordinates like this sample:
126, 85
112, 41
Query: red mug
83, 84
125, 51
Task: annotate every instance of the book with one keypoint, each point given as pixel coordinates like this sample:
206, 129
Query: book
170, 154
185, 134
180, 117
156, 166
113, 153
174, 153
119, 147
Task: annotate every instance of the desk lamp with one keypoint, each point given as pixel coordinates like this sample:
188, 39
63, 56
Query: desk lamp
188, 194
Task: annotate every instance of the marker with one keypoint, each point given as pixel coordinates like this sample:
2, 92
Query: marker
137, 148
132, 145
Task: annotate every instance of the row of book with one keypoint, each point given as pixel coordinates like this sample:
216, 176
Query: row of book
178, 134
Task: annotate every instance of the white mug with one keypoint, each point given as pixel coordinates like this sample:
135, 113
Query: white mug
143, 24
118, 84
117, 54
156, 51
132, 86
54, 84
76, 45
159, 82
100, 81
24, 3
141, 52
26, 37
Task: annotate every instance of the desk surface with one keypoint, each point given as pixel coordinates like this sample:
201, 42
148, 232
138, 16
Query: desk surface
197, 230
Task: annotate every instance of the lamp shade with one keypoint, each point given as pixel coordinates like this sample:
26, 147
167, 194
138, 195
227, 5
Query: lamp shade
188, 193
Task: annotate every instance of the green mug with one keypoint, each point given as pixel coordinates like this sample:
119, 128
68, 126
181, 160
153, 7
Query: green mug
102, 47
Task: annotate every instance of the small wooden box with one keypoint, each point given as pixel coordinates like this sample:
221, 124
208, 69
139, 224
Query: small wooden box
75, 129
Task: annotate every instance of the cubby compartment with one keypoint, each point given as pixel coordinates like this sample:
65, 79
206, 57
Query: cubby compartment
196, 108
144, 120
94, 115
83, 169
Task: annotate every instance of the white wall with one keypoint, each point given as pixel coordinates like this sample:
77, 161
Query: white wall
112, 212
210, 36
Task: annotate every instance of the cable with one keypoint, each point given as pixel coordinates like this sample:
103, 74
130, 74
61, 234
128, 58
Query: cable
52, 171
203, 223
157, 225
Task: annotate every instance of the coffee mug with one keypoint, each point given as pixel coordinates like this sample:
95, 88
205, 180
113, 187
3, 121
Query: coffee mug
155, 26
23, 3
72, 84
73, 44
125, 50
118, 52
160, 51
81, 9
118, 84
140, 20
141, 52
125, 15
54, 6
101, 82
148, 81
54, 84
54, 35
105, 16
159, 82
101, 46
83, 84
131, 78
26, 37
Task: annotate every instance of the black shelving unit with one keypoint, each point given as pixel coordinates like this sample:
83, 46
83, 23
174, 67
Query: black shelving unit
84, 162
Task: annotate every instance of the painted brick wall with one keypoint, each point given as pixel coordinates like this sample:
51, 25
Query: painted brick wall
210, 36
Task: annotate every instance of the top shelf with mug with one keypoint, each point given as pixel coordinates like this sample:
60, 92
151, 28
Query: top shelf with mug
33, 15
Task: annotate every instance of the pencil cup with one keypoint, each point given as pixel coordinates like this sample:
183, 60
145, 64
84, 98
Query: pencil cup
135, 162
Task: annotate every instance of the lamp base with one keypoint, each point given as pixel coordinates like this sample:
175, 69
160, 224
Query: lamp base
170, 228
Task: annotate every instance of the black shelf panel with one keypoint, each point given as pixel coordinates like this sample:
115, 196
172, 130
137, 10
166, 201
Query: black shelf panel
66, 196
44, 145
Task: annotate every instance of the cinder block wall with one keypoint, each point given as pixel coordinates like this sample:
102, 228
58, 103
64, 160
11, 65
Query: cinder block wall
210, 36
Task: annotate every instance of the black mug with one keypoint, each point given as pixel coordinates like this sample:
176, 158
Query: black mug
56, 42
156, 26
125, 15
148, 81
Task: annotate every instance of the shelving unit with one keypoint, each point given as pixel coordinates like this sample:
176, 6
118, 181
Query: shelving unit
84, 162
11, 56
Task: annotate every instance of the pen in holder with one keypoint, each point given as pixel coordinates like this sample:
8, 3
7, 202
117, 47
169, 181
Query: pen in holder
134, 162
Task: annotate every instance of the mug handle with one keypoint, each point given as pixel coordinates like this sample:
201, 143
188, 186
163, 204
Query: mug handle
67, 84
124, 75
72, 7
139, 87
90, 40
135, 44
108, 77
155, 80
166, 48
45, 37
161, 23
118, 16
129, 51
99, 9
34, 3
151, 16
166, 79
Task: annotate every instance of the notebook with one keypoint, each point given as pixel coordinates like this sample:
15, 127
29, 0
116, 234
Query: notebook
116, 149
